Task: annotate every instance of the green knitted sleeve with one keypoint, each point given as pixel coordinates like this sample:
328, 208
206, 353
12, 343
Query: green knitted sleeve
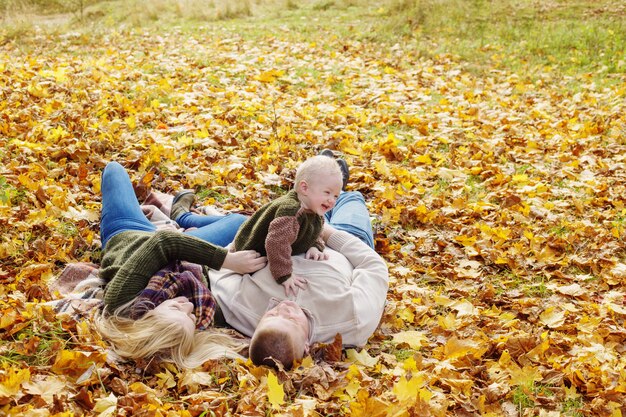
163, 247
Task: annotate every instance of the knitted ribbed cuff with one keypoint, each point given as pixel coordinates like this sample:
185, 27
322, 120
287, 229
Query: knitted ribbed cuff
337, 239
283, 279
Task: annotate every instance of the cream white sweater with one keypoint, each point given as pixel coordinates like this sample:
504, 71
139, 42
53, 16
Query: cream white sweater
346, 294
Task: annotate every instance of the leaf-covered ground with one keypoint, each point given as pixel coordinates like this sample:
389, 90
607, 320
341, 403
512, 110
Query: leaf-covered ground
498, 201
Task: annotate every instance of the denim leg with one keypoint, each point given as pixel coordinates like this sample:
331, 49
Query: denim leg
120, 208
350, 214
219, 230
189, 219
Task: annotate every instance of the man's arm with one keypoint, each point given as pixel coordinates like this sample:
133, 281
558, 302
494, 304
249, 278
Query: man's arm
370, 280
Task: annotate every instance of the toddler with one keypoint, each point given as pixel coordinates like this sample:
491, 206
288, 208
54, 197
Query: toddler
292, 224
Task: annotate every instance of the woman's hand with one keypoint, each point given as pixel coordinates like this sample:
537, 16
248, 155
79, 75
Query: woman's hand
244, 262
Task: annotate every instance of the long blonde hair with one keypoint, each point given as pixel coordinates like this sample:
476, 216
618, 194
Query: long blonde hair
151, 336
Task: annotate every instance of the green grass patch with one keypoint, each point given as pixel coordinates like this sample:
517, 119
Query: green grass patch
572, 407
522, 399
523, 396
6, 191
209, 193
403, 354
46, 341
561, 37
570, 36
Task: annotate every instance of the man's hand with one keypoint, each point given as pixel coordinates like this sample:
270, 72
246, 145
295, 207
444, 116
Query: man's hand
293, 285
244, 262
315, 254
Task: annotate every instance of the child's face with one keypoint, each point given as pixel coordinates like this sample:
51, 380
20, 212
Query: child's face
320, 194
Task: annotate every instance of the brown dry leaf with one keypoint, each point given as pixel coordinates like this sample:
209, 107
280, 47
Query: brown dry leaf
331, 352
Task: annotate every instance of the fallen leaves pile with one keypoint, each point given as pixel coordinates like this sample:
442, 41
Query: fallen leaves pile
498, 202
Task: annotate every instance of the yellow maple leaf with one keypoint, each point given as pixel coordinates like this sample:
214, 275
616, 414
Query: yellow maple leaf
8, 318
552, 317
45, 386
11, 380
131, 122
166, 379
269, 76
466, 240
275, 392
406, 314
414, 338
74, 363
465, 308
448, 322
525, 376
106, 406
361, 357
457, 348
366, 406
409, 364
520, 178
406, 391
424, 159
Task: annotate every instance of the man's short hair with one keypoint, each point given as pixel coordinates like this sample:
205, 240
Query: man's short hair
269, 346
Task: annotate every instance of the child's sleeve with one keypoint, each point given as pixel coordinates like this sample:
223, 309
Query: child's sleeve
319, 243
282, 232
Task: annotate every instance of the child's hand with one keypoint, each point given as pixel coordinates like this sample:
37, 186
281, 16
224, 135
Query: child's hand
293, 284
315, 254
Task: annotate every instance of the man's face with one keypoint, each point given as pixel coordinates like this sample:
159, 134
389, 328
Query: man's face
288, 317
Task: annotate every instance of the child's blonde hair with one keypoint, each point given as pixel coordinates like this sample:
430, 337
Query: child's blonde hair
314, 166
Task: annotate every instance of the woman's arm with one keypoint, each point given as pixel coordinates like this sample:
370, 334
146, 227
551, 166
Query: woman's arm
159, 250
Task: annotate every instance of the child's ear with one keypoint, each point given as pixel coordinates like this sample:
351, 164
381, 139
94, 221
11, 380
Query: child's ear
303, 186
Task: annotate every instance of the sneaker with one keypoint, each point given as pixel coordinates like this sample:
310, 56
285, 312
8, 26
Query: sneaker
345, 171
182, 203
328, 153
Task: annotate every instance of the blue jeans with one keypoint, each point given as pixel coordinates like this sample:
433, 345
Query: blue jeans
121, 212
219, 230
350, 214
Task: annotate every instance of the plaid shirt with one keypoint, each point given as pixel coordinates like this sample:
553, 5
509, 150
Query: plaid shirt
175, 280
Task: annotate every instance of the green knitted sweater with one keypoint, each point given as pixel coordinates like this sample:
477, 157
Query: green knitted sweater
131, 258
279, 229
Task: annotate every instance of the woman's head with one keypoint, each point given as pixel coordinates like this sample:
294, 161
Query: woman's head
282, 335
166, 331
178, 311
